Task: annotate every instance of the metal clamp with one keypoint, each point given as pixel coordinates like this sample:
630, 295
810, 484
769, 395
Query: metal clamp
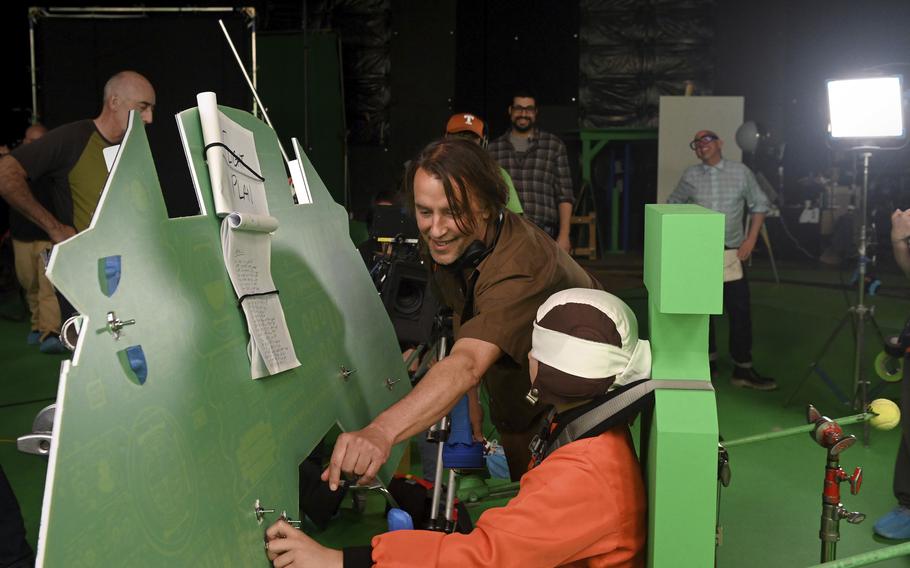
69, 331
346, 373
39, 441
390, 383
260, 511
115, 324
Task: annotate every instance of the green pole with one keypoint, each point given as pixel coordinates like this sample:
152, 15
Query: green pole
796, 430
867, 558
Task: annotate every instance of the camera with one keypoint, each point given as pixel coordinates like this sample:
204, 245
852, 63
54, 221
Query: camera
401, 276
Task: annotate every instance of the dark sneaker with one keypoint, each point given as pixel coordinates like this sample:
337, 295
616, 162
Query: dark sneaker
33, 338
713, 366
748, 377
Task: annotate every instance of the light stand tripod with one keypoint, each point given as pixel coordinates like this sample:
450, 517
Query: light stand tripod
859, 315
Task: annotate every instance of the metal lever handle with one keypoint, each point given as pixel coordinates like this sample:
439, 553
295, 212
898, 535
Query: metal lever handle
852, 517
856, 480
115, 324
38, 444
284, 516
260, 511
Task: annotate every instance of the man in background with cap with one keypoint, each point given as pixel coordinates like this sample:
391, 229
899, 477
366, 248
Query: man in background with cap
583, 503
539, 166
727, 187
471, 127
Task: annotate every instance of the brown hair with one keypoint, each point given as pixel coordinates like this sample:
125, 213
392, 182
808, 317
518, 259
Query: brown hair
463, 168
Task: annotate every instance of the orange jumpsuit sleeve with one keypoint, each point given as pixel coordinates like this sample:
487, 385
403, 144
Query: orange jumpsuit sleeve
567, 509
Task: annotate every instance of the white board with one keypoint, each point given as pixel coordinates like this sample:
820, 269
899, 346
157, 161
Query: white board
680, 119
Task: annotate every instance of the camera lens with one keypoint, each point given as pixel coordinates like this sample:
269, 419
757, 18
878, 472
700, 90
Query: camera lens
409, 297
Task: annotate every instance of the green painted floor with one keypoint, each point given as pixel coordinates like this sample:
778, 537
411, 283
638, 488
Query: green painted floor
770, 513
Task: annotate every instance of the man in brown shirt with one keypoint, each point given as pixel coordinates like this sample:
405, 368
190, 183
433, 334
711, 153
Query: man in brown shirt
494, 269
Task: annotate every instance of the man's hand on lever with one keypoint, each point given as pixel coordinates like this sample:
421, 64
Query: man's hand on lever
361, 452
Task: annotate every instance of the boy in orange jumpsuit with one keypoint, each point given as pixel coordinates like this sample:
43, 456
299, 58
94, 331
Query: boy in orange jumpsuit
582, 505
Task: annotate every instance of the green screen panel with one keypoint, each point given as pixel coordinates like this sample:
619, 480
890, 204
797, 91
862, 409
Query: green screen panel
150, 474
684, 277
684, 258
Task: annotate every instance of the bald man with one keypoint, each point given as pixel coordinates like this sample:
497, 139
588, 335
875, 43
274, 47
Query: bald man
730, 188
34, 132
53, 184
70, 158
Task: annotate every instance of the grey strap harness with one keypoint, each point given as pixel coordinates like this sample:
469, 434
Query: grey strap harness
591, 419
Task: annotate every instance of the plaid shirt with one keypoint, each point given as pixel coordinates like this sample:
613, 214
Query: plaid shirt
541, 175
724, 188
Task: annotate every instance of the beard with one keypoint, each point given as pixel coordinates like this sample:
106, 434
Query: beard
522, 124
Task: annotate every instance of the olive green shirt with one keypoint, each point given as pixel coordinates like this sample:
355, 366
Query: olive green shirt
68, 163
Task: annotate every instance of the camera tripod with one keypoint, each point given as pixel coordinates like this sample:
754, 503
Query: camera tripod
859, 315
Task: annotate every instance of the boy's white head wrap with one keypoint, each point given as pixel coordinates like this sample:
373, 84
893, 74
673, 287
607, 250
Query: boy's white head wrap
592, 360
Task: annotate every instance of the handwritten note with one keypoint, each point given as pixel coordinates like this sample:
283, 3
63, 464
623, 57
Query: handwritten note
246, 245
234, 170
238, 188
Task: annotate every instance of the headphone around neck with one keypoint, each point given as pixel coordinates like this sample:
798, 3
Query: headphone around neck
474, 254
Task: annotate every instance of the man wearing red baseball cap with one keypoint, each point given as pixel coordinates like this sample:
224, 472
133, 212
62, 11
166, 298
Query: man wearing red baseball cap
471, 127
728, 187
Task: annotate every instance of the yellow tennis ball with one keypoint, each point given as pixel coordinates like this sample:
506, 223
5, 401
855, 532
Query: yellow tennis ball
888, 414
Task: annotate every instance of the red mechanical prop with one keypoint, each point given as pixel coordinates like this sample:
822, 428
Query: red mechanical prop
829, 435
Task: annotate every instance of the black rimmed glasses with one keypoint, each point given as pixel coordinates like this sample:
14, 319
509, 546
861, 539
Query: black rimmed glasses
706, 139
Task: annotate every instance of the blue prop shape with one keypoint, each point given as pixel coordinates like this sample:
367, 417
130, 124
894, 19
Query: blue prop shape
460, 450
136, 359
399, 520
111, 271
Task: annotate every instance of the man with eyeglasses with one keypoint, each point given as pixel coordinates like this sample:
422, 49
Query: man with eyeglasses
539, 166
54, 183
727, 187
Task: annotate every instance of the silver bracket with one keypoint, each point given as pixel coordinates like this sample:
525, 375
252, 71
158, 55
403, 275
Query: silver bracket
390, 383
260, 512
346, 373
115, 324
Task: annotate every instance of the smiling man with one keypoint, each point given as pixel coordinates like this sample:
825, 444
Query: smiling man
493, 268
729, 187
539, 166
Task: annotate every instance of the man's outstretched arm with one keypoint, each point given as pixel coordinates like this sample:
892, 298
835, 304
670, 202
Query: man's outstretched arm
364, 451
